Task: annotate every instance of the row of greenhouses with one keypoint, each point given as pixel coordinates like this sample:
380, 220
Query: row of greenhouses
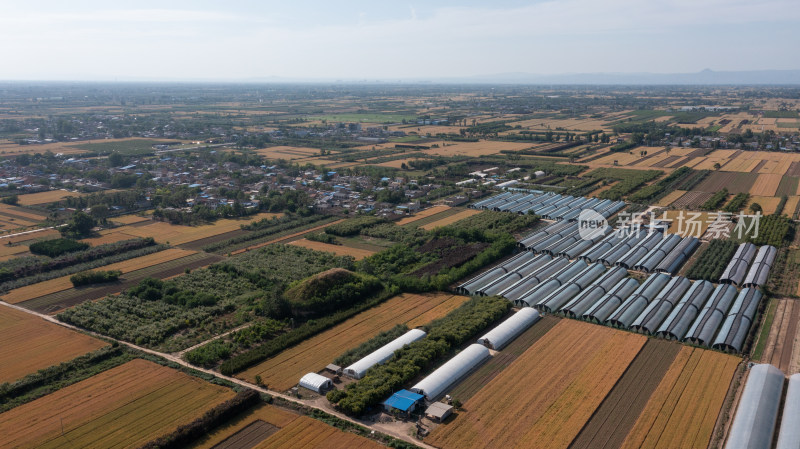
548, 205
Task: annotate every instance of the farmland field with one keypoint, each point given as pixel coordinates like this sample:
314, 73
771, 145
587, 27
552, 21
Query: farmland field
129, 219
19, 212
734, 182
231, 431
60, 300
50, 196
670, 198
683, 409
565, 374
308, 433
765, 185
29, 343
691, 200
63, 283
284, 370
178, 234
108, 236
125, 406
494, 366
451, 219
284, 238
422, 214
782, 347
616, 415
339, 250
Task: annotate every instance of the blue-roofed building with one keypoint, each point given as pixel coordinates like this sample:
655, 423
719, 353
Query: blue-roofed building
404, 401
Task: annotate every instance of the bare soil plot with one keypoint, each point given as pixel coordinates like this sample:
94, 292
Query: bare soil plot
29, 343
339, 250
788, 186
616, 415
691, 200
782, 343
109, 236
683, 409
467, 388
284, 370
21, 213
734, 182
566, 375
666, 162
125, 406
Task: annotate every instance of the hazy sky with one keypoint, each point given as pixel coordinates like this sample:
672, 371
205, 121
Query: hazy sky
390, 40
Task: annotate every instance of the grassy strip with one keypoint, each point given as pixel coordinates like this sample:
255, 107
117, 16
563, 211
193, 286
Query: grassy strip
763, 336
97, 263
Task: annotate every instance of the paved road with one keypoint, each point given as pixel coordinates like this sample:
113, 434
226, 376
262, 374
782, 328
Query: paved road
179, 361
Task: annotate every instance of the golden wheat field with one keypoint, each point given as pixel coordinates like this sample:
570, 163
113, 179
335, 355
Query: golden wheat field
684, 407
451, 219
339, 250
422, 214
178, 234
29, 343
125, 406
50, 196
565, 374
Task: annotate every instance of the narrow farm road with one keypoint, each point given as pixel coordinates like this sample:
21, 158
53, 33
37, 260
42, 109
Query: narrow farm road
173, 358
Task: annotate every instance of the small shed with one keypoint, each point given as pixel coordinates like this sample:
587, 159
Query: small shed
439, 411
335, 369
404, 401
316, 383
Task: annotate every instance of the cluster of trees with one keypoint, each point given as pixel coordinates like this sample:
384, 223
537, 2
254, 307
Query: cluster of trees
94, 277
712, 262
737, 203
353, 226
201, 213
210, 354
772, 230
330, 291
287, 201
716, 200
629, 180
322, 238
23, 271
79, 225
444, 335
653, 192
298, 334
57, 247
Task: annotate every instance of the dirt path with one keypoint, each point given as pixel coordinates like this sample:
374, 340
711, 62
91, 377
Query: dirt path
180, 354
172, 358
782, 348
